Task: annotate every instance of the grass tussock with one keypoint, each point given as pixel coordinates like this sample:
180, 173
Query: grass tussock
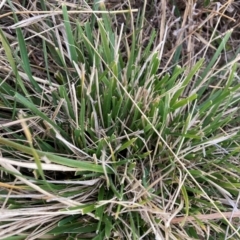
119, 120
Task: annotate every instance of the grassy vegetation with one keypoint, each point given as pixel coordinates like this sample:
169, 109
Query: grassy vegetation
119, 122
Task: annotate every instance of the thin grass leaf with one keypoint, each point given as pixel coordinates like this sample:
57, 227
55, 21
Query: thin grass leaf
105, 43
184, 102
127, 144
186, 82
8, 52
108, 226
77, 227
70, 38
80, 165
213, 60
24, 54
69, 105
186, 201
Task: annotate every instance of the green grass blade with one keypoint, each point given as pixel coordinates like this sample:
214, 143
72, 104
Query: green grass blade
81, 165
70, 38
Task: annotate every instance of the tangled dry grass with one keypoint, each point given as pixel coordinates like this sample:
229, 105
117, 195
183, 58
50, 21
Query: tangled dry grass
151, 190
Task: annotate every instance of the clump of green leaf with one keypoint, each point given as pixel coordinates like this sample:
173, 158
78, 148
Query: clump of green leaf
106, 145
